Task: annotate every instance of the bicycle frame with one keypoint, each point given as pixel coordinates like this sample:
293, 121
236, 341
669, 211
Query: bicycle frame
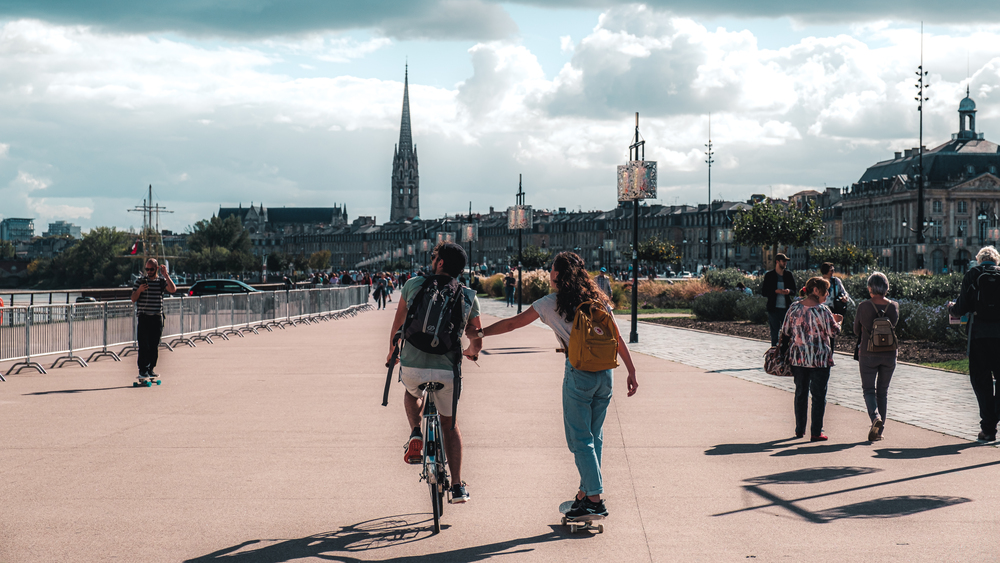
435, 465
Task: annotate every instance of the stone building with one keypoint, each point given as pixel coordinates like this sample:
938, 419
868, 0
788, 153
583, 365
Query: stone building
405, 183
961, 202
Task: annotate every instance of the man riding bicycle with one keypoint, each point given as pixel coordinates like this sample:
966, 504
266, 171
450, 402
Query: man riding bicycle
418, 367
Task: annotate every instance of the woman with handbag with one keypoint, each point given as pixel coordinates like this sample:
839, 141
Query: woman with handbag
810, 325
876, 364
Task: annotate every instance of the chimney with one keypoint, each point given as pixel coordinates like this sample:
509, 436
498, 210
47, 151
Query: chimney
907, 152
899, 155
491, 210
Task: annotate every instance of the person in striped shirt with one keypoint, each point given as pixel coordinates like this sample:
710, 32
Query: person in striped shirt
147, 294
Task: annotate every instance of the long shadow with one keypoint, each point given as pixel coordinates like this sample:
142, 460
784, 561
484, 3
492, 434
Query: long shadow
70, 391
890, 507
921, 453
824, 449
811, 475
763, 447
381, 533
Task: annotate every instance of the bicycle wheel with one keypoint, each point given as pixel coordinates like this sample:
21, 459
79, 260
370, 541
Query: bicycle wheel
436, 507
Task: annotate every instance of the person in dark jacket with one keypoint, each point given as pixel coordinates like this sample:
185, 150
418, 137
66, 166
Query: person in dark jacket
779, 288
984, 340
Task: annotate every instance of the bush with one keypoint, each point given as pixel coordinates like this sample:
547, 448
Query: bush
728, 278
535, 285
919, 321
493, 286
751, 308
717, 305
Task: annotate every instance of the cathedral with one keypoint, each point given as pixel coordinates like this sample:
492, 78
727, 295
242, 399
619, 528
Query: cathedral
405, 190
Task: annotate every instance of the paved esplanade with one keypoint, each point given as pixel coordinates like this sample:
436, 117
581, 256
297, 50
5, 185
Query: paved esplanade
275, 448
929, 398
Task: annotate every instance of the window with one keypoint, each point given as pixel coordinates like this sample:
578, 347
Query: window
971, 169
963, 207
962, 228
937, 206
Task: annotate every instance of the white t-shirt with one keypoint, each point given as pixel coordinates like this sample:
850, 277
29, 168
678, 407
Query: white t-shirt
546, 309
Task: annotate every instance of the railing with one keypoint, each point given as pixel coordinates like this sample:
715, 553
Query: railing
31, 331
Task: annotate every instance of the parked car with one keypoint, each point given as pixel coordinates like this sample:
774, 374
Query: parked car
215, 287
685, 275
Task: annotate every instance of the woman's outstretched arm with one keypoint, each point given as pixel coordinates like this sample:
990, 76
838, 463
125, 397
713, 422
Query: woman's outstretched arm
513, 323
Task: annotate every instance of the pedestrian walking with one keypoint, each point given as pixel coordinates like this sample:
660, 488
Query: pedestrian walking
876, 364
837, 297
147, 294
980, 298
508, 285
585, 394
379, 291
778, 286
808, 326
603, 282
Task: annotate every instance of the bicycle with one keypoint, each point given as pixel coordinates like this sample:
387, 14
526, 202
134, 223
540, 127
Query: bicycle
435, 463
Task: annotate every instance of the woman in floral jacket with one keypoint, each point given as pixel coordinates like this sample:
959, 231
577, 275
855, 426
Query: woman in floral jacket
809, 326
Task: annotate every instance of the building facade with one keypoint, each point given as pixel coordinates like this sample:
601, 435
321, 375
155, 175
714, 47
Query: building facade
61, 229
961, 202
17, 229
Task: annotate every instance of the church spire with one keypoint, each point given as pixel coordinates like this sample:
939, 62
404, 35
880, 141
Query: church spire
405, 138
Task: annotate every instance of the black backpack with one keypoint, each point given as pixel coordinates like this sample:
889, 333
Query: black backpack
436, 319
988, 294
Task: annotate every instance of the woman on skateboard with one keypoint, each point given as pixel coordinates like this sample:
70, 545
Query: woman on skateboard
585, 394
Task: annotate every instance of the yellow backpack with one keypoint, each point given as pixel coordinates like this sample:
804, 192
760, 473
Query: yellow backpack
592, 342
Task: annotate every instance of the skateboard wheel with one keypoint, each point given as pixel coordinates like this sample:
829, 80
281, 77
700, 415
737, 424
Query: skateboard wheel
135, 384
157, 382
563, 520
600, 528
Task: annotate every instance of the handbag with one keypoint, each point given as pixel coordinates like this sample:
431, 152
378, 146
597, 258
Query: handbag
838, 307
776, 359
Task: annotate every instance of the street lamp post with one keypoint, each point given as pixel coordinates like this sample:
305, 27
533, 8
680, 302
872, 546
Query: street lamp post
709, 161
636, 181
519, 217
921, 74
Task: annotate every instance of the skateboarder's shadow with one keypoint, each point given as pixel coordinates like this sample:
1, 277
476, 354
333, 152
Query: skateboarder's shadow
762, 448
381, 533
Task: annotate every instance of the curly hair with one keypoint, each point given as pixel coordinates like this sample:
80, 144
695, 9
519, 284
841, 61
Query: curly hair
573, 285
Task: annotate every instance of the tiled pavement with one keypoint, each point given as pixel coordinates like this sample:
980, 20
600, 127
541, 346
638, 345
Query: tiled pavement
927, 398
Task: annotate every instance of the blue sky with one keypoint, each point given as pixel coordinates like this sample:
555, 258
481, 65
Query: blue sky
298, 103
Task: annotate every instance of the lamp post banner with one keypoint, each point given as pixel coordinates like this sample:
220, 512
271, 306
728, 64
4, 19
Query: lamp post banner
519, 217
637, 180
470, 232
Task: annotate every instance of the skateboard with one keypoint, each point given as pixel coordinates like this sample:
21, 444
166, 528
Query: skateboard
145, 382
581, 523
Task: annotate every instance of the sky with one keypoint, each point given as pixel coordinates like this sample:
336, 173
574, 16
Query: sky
297, 102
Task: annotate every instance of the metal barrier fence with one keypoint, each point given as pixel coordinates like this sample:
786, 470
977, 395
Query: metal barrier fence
31, 331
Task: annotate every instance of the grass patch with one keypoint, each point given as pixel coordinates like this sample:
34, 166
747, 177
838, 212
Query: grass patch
961, 366
657, 311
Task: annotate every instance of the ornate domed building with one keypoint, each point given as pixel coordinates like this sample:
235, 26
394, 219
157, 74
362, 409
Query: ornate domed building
961, 202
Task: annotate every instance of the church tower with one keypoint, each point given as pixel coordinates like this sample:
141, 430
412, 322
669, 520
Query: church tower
405, 202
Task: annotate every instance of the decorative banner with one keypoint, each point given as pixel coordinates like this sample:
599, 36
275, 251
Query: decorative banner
887, 252
398, 253
409, 250
519, 217
959, 242
921, 249
609, 245
470, 232
425, 245
993, 234
445, 237
637, 180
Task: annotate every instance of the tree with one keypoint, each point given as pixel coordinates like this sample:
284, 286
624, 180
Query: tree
300, 262
225, 233
533, 258
656, 251
770, 224
98, 260
320, 260
7, 249
278, 261
846, 257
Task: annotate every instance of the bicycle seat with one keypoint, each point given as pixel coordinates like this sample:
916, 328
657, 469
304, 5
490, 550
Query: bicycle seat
431, 386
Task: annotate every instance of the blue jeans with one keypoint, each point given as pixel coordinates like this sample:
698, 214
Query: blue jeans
775, 319
810, 380
586, 396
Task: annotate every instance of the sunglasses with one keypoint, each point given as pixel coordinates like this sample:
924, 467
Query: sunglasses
150, 269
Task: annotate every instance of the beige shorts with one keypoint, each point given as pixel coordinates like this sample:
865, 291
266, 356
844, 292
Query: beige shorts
412, 378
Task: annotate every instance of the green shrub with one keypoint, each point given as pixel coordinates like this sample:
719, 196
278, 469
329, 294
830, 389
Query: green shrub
717, 305
494, 286
919, 321
751, 308
728, 278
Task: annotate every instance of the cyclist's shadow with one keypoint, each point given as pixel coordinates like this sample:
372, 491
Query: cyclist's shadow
390, 531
